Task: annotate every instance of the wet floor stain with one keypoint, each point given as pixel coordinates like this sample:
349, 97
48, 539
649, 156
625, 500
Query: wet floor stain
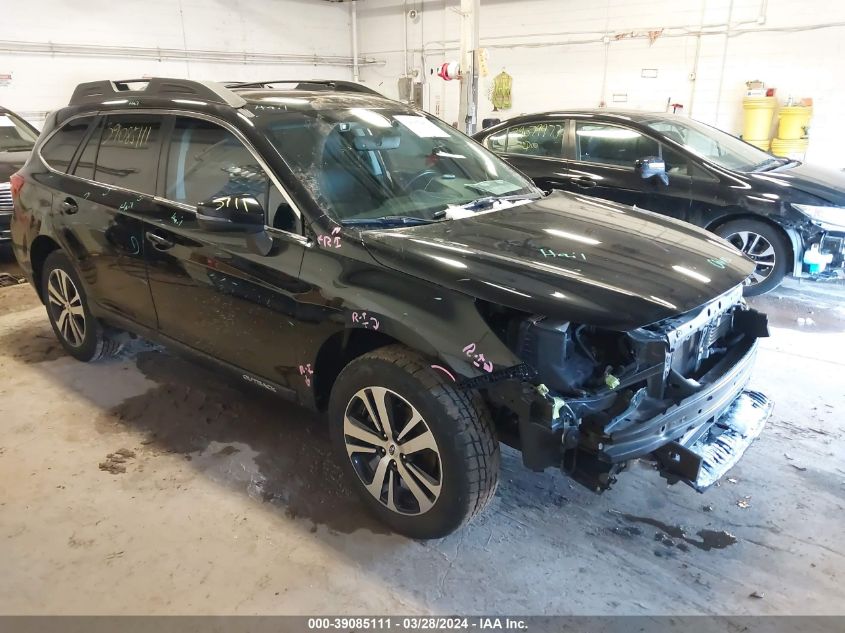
806, 309
708, 539
271, 450
32, 342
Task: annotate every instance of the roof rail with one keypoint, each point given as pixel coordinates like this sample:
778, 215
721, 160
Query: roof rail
94, 92
309, 84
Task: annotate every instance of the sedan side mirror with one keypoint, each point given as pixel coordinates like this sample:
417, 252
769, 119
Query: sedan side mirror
652, 166
240, 213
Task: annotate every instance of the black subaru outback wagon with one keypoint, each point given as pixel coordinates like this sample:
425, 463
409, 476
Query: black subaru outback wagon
363, 258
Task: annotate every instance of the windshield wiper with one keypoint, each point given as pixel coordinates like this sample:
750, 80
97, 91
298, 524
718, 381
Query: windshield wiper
485, 202
388, 220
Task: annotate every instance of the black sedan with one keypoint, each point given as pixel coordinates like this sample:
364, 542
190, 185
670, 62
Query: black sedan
787, 216
16, 140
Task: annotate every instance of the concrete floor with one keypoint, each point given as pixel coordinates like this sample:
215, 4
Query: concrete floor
230, 503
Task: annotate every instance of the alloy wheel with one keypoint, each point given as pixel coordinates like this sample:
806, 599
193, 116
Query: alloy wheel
759, 250
392, 450
65, 304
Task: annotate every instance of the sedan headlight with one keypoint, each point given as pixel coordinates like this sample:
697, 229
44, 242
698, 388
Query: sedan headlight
829, 218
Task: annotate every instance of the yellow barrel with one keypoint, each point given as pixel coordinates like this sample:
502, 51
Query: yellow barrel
794, 122
763, 145
758, 118
790, 148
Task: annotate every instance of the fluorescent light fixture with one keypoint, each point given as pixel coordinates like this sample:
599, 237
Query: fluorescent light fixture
616, 133
663, 302
558, 295
454, 263
285, 100
368, 116
447, 247
116, 102
572, 236
692, 274
189, 102
506, 289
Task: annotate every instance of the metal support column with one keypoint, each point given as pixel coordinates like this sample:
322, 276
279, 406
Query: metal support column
468, 110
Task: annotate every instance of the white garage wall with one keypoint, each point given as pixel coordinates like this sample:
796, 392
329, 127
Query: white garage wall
281, 28
565, 53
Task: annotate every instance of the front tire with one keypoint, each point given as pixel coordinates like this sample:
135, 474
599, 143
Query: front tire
82, 335
766, 245
420, 452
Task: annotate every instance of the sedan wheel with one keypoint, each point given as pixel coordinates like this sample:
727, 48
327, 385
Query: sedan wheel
65, 304
759, 250
392, 451
765, 245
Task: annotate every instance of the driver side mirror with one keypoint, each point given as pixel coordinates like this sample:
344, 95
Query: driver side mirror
651, 166
240, 213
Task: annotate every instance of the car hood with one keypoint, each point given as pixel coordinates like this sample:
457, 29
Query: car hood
569, 256
822, 182
10, 162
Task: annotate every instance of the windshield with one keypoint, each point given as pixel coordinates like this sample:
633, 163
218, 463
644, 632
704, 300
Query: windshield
384, 163
15, 135
714, 145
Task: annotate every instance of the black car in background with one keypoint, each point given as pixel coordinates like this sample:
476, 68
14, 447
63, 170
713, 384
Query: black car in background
775, 210
17, 138
362, 258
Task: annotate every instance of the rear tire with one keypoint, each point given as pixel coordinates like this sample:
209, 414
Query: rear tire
766, 245
426, 479
82, 335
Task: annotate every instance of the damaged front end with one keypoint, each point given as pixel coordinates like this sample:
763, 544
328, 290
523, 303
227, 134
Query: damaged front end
673, 392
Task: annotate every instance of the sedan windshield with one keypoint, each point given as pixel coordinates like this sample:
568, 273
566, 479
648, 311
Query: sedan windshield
15, 135
714, 145
385, 164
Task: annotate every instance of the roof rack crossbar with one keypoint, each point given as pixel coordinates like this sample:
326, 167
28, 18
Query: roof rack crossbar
309, 84
94, 92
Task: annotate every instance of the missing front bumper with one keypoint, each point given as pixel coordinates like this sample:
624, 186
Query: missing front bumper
701, 459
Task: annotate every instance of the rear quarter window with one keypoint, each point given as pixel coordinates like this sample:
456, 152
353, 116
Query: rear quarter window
58, 151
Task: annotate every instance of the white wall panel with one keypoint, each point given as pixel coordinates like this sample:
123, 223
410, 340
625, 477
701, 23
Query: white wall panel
280, 27
554, 51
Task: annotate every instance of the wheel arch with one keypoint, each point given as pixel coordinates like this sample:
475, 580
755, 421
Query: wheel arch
39, 250
792, 238
337, 351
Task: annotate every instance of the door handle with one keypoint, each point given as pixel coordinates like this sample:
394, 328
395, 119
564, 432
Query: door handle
68, 206
584, 181
159, 243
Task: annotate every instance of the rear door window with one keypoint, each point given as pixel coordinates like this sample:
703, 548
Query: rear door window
59, 150
536, 139
129, 152
612, 144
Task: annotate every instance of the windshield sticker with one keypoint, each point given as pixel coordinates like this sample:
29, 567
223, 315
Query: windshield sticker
364, 320
421, 126
719, 262
496, 187
478, 359
330, 241
547, 252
